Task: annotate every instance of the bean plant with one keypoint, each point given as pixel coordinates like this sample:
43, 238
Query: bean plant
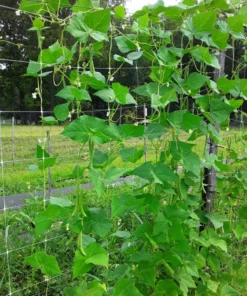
156, 238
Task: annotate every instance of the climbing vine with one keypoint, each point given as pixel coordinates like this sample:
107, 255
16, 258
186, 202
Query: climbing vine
156, 239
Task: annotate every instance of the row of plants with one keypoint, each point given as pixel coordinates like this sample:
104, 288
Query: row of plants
154, 238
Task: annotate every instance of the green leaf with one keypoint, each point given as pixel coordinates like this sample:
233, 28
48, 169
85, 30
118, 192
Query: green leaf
55, 54
167, 287
75, 291
42, 8
99, 158
205, 21
135, 55
114, 173
191, 121
44, 220
131, 154
242, 211
212, 131
196, 80
61, 111
71, 93
176, 118
95, 255
176, 232
122, 59
220, 111
106, 95
44, 158
37, 23
122, 234
216, 219
47, 263
228, 291
225, 85
125, 43
120, 205
126, 287
49, 120
119, 12
120, 92
220, 243
85, 127
61, 201
79, 265
98, 20
146, 272
95, 80
98, 181
173, 12
220, 39
154, 130
235, 23
132, 131
95, 289
100, 224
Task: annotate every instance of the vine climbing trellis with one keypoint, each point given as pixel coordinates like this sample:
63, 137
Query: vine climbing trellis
157, 234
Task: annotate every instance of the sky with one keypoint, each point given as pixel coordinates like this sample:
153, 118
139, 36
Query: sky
133, 5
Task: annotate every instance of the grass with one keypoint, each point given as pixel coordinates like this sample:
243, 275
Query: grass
21, 153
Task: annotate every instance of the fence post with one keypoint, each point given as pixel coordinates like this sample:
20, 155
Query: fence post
210, 174
49, 169
13, 139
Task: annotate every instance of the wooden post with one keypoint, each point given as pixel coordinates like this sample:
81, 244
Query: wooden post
13, 140
49, 169
210, 174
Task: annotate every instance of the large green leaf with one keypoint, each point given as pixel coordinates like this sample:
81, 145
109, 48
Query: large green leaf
167, 287
86, 127
42, 7
131, 154
98, 20
119, 12
132, 131
125, 43
61, 111
44, 220
225, 85
196, 80
94, 24
47, 263
205, 21
99, 222
220, 39
122, 204
235, 23
191, 121
95, 255
154, 130
146, 272
226, 290
159, 173
220, 111
71, 93
126, 287
55, 54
